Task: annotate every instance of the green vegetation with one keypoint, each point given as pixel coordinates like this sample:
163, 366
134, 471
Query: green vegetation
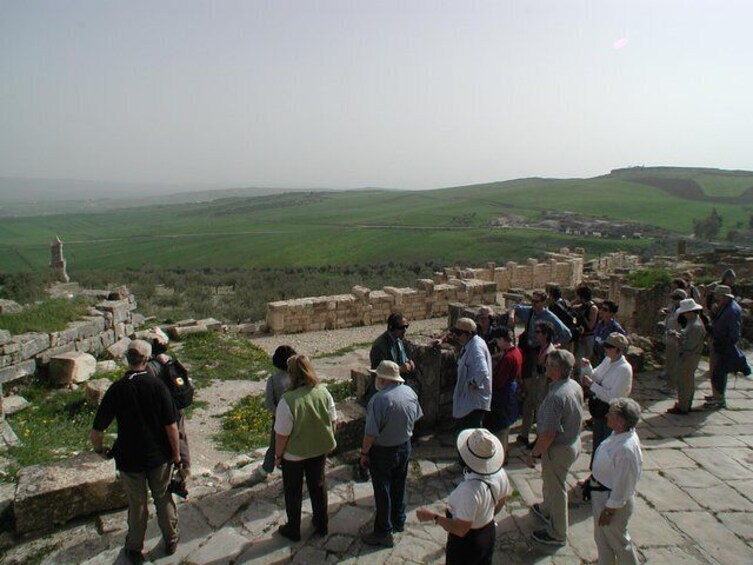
246, 426
48, 316
55, 426
344, 351
211, 356
647, 278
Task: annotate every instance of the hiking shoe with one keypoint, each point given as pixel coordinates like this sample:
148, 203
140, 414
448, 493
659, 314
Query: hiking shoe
539, 512
542, 536
135, 557
676, 410
716, 404
374, 539
709, 397
287, 532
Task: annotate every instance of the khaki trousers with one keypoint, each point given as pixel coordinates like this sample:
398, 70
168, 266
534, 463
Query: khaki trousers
555, 464
135, 485
535, 389
613, 542
686, 368
671, 357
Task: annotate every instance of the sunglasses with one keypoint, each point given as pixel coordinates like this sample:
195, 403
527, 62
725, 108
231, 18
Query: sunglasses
538, 332
405, 327
609, 346
605, 309
456, 331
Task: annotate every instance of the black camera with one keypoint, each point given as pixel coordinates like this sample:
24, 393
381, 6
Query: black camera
177, 484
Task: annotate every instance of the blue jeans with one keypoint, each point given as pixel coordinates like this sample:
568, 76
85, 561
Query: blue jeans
389, 471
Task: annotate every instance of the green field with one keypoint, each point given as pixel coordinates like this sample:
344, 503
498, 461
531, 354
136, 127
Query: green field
449, 226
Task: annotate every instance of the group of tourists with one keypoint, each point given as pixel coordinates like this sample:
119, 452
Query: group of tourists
501, 378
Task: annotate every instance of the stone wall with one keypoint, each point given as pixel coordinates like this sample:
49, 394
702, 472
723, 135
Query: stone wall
103, 331
429, 299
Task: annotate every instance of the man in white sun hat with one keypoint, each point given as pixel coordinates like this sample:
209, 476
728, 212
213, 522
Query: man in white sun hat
690, 347
391, 415
469, 519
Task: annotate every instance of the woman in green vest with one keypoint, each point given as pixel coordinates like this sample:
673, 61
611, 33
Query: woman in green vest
305, 428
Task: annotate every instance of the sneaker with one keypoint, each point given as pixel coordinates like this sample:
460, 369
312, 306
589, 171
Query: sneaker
287, 532
716, 404
542, 536
539, 512
135, 557
373, 539
676, 410
709, 397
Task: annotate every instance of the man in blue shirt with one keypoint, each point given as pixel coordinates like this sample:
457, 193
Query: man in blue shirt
538, 312
391, 415
472, 397
725, 333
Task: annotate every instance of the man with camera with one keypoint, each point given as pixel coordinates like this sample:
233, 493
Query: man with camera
145, 450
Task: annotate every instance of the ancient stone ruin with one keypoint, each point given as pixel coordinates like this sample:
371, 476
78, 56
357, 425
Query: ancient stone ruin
57, 261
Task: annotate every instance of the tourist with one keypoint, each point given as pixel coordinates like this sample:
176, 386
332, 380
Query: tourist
157, 367
277, 385
729, 277
616, 470
558, 423
471, 507
472, 396
612, 378
530, 346
145, 450
725, 334
536, 385
561, 308
671, 331
390, 417
485, 326
588, 315
692, 290
689, 340
305, 427
606, 325
390, 346
506, 378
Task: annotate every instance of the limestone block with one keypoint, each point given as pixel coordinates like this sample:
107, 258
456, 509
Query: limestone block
107, 366
350, 424
91, 345
17, 371
178, 332
63, 337
5, 360
132, 304
10, 348
44, 357
427, 285
120, 331
5, 337
98, 323
31, 343
52, 494
361, 292
118, 349
138, 320
119, 293
72, 367
14, 403
211, 324
118, 308
107, 338
95, 390
10, 307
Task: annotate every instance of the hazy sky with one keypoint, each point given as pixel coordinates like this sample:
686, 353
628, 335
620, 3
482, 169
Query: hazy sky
410, 94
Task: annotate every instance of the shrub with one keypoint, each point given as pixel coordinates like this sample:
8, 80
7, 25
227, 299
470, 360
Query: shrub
647, 278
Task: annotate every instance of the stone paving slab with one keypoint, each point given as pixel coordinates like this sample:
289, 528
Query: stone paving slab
719, 543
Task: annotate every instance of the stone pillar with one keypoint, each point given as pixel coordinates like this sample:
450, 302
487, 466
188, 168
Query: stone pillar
57, 261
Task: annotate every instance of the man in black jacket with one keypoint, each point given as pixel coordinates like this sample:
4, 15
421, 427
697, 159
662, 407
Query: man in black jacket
146, 447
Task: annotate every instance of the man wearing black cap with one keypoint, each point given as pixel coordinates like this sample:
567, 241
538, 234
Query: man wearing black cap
145, 449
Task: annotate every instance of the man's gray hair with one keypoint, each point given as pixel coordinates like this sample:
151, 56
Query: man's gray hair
563, 360
627, 409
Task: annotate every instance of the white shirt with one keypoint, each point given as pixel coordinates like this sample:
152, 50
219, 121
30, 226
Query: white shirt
284, 421
618, 463
472, 500
612, 379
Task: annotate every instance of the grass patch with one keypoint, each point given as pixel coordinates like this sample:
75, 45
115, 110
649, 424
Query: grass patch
211, 355
49, 316
344, 350
246, 426
54, 427
648, 278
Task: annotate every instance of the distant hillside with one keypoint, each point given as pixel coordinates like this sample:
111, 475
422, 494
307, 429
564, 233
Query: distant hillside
450, 225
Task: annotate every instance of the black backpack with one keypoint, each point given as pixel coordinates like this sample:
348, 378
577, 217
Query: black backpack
175, 376
568, 316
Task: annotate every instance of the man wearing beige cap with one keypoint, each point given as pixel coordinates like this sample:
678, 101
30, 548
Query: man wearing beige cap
472, 397
145, 449
689, 342
390, 417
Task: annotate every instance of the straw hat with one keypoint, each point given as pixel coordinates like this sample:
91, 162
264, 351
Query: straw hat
466, 325
481, 451
618, 340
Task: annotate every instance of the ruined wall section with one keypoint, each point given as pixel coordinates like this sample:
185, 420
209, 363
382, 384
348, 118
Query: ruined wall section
430, 298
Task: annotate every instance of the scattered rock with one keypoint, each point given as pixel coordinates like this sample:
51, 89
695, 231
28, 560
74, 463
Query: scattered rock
72, 367
95, 391
118, 349
107, 366
14, 403
10, 307
112, 522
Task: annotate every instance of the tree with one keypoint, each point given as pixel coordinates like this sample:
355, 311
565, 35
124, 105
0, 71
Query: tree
708, 227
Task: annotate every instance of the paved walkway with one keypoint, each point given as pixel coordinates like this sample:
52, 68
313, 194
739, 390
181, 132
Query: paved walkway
695, 505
